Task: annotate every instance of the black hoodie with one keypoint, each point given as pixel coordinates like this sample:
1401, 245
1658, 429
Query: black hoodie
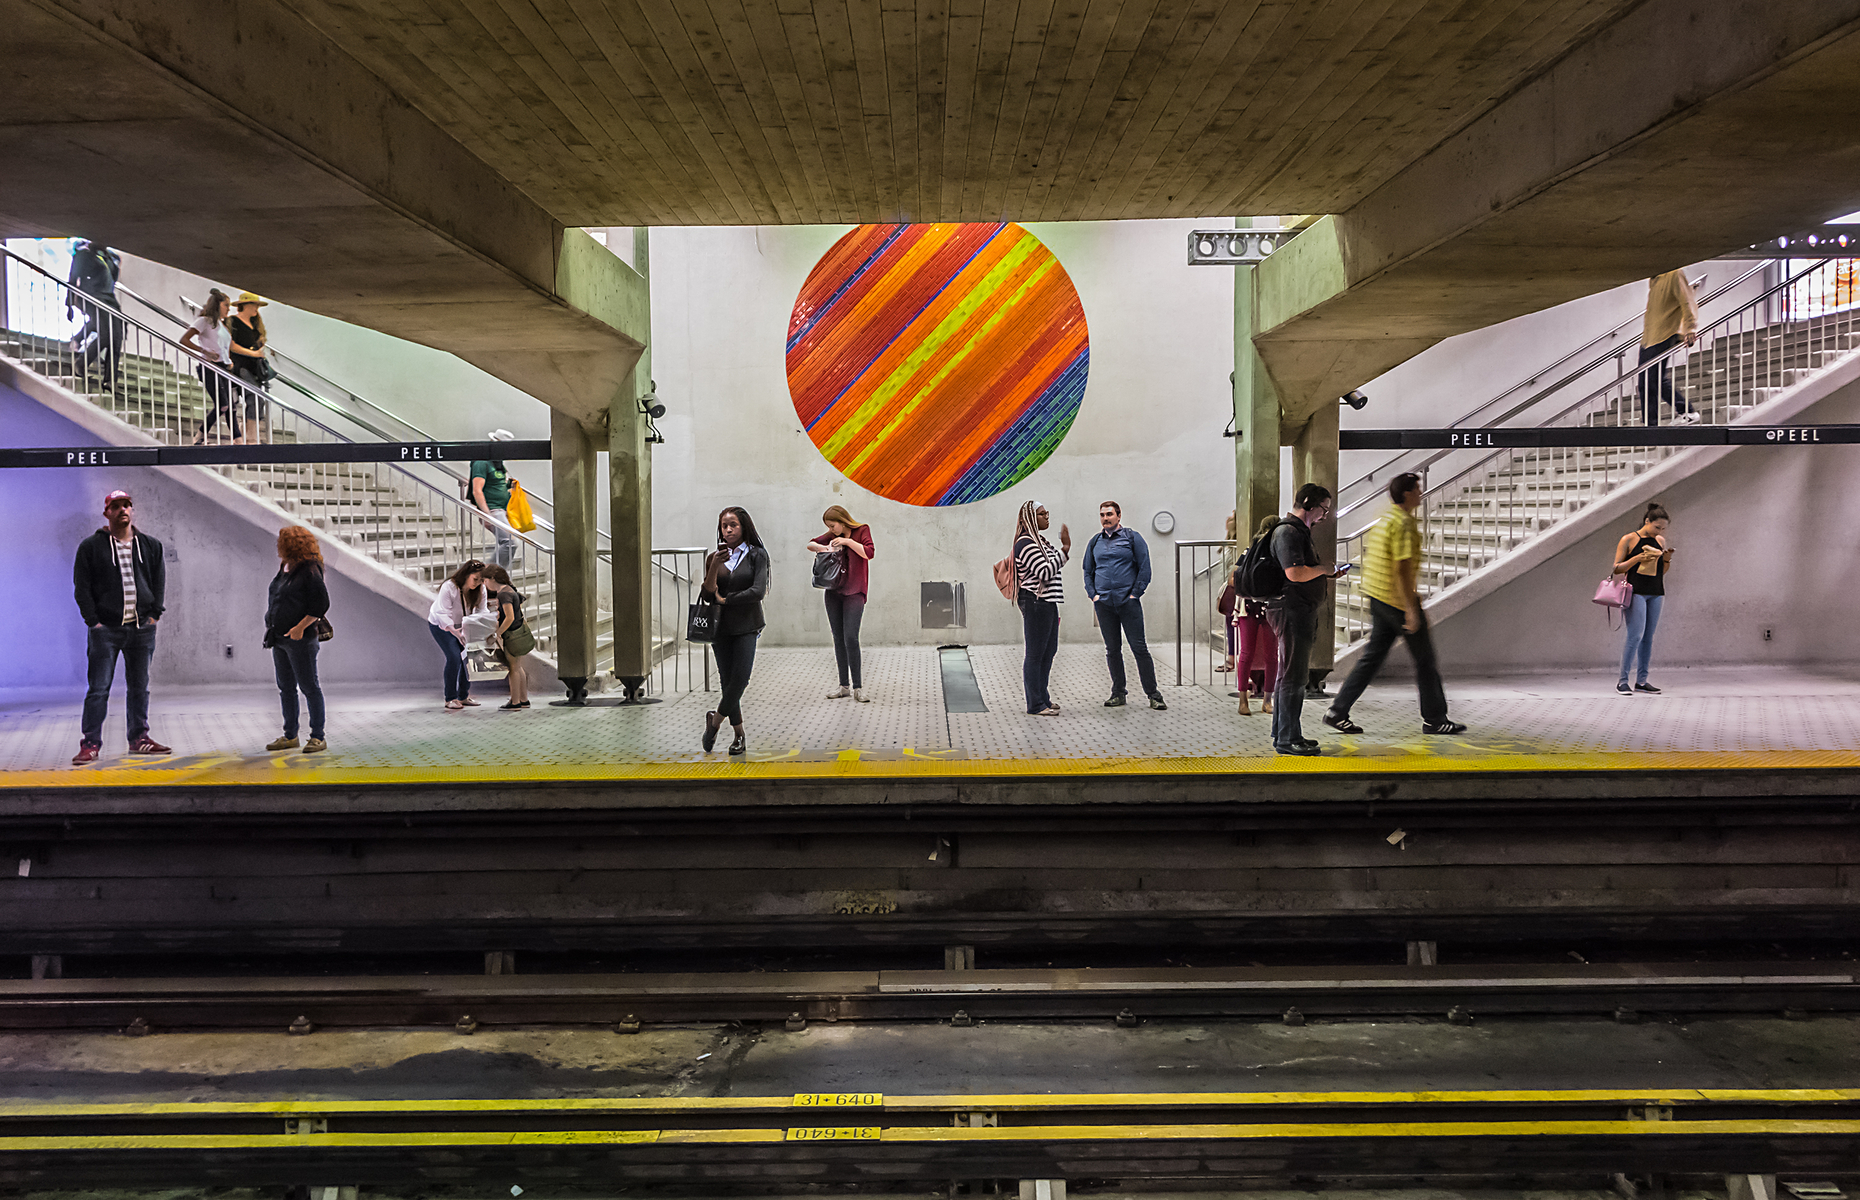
99, 584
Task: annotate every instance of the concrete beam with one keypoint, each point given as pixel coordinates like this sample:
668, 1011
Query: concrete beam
241, 144
1684, 129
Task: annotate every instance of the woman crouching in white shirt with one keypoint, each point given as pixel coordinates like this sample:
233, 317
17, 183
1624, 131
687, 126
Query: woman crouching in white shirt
461, 596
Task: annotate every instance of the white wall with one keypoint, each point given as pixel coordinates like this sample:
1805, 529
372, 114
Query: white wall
219, 568
1148, 433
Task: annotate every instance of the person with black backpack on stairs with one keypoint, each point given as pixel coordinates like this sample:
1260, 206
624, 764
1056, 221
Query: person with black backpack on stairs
1282, 567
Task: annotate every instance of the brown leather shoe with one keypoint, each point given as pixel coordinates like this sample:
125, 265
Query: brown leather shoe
148, 745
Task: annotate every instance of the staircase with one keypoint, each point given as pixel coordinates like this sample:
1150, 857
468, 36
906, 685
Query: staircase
412, 520
1485, 512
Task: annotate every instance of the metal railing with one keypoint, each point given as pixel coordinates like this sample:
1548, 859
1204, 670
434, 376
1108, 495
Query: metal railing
678, 664
1523, 395
1202, 570
1484, 504
412, 518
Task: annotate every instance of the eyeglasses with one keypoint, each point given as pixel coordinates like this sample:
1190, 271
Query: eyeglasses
473, 565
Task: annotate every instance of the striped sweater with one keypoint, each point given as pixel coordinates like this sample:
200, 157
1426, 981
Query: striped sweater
1036, 568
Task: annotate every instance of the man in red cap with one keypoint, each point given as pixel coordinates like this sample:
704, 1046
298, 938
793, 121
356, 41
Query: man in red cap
119, 578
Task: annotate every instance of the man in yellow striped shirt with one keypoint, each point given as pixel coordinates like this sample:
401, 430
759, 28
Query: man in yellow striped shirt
1391, 567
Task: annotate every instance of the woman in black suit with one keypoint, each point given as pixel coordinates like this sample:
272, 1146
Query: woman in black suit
736, 576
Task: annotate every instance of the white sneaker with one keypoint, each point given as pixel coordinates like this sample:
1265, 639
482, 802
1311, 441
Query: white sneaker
860, 696
1686, 418
839, 693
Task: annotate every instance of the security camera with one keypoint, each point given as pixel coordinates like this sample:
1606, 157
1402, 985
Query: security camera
1355, 400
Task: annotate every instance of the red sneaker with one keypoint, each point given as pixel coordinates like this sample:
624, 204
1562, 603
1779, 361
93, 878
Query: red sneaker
148, 745
87, 753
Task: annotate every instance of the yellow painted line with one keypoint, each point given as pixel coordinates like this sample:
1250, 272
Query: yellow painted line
1004, 1102
221, 773
1034, 1133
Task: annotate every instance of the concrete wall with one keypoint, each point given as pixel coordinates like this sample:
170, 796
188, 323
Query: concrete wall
1762, 541
219, 567
1148, 433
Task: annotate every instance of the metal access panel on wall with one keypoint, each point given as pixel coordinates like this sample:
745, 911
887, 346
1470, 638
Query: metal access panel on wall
943, 606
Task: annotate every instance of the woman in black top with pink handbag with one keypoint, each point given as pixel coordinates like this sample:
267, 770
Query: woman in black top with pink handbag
1643, 557
736, 576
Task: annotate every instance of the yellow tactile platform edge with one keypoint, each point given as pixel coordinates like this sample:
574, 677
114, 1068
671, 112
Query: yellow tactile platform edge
1019, 1101
239, 772
908, 1134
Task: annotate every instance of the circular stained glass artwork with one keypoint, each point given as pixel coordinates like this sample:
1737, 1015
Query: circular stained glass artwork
937, 364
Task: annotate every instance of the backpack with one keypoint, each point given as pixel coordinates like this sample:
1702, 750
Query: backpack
1004, 579
1259, 575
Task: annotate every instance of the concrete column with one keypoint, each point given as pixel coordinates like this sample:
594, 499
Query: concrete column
1256, 414
573, 472
629, 469
1314, 460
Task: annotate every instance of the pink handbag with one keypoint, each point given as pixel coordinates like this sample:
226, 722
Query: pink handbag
1614, 594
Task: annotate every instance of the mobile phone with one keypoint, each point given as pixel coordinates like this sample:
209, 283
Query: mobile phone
1346, 566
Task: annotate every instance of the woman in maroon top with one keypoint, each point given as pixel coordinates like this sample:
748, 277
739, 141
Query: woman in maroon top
846, 603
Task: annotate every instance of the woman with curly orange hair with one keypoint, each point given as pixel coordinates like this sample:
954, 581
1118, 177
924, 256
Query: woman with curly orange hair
294, 619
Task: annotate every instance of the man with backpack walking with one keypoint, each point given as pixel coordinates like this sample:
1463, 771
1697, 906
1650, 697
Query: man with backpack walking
1391, 563
1282, 567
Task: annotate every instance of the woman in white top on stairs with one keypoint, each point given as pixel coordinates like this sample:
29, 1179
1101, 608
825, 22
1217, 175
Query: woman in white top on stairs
461, 596
207, 339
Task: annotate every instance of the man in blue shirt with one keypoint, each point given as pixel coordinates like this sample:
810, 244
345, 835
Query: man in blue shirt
1117, 573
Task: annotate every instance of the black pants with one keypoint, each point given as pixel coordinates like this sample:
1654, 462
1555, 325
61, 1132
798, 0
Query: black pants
843, 616
102, 339
1656, 383
736, 658
221, 403
1297, 629
1039, 623
294, 665
1385, 626
1118, 623
136, 643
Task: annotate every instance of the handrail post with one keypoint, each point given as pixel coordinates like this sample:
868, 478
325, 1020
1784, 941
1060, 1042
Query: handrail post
1178, 616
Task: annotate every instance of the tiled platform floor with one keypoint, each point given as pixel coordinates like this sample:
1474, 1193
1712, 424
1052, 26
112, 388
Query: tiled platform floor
406, 734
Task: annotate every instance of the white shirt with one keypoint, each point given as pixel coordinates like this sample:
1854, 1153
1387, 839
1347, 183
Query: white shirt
126, 565
213, 337
448, 611
735, 556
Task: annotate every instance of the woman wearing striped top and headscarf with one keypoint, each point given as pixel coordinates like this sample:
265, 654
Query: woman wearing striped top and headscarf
1037, 563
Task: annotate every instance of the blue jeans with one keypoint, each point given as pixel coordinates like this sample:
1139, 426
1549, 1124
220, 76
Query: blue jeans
458, 676
136, 643
1120, 622
294, 664
1643, 617
1039, 622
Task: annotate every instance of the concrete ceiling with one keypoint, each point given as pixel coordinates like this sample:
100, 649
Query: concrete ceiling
687, 112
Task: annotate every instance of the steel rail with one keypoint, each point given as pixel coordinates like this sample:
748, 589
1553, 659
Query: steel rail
795, 999
863, 1145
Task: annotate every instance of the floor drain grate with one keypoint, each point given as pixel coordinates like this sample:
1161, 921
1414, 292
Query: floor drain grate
961, 692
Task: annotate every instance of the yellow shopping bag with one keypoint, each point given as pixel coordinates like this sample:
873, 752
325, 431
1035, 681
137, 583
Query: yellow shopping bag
521, 518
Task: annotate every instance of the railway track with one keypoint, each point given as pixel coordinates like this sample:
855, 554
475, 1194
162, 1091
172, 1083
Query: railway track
874, 1139
1460, 993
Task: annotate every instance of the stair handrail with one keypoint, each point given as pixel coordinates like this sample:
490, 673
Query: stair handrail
277, 355
1664, 361
1474, 415
243, 385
